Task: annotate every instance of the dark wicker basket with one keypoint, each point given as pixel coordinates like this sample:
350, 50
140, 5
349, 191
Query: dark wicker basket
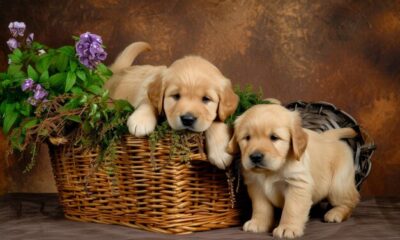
322, 116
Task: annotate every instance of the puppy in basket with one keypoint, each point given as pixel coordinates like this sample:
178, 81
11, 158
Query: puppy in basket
289, 167
192, 93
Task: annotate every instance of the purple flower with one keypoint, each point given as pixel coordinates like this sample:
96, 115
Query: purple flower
17, 28
28, 84
90, 50
39, 93
29, 39
12, 44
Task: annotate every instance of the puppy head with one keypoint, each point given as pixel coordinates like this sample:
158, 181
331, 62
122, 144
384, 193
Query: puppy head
193, 93
268, 135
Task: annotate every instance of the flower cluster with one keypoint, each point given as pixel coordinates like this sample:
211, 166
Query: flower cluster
17, 30
90, 50
46, 90
39, 93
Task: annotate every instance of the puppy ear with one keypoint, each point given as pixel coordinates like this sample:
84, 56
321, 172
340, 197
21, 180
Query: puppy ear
155, 93
228, 103
233, 146
299, 138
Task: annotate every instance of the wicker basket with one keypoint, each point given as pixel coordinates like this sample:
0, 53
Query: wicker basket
322, 116
145, 189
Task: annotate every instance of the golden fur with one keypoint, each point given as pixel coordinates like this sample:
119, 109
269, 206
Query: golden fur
292, 168
190, 88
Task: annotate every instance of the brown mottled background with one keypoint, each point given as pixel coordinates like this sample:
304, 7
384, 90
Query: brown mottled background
344, 52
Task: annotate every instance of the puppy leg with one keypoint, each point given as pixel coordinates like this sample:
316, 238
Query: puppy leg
263, 212
217, 139
343, 195
142, 121
295, 213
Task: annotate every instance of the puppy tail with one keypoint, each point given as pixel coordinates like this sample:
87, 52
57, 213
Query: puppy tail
126, 57
340, 133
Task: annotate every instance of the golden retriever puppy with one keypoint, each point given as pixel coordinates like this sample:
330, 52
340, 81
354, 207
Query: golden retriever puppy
289, 167
192, 93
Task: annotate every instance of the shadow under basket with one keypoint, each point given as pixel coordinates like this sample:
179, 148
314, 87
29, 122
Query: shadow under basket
322, 116
145, 189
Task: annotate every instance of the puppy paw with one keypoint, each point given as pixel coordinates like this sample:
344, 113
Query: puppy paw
221, 158
255, 226
333, 216
287, 231
141, 125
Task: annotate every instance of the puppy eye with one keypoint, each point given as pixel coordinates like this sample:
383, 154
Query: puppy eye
176, 96
247, 138
274, 137
206, 99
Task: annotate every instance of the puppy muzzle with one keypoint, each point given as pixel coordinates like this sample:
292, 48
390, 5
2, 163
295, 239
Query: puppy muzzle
257, 159
188, 120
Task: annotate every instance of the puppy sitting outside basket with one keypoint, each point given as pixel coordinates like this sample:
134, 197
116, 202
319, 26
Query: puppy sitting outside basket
289, 167
192, 93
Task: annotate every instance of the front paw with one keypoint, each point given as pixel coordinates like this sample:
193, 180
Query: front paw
288, 231
140, 124
255, 226
220, 158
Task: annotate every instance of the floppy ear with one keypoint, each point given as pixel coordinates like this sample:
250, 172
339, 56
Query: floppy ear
228, 103
299, 137
233, 146
155, 93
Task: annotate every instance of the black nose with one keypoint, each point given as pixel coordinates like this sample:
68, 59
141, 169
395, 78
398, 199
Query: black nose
188, 119
256, 157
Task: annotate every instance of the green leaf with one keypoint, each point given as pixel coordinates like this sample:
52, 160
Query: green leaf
44, 76
43, 63
74, 118
103, 70
30, 123
14, 69
123, 105
81, 74
16, 56
6, 83
17, 52
9, 108
93, 109
57, 80
73, 65
32, 73
25, 109
72, 104
71, 78
83, 99
95, 89
61, 62
9, 121
67, 50
76, 90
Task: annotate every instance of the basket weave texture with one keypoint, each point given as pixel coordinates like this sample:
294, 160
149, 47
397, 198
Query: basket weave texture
322, 116
151, 190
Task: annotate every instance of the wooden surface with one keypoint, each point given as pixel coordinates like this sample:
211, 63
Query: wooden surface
377, 218
341, 51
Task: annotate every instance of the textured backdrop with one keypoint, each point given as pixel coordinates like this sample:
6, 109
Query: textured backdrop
344, 52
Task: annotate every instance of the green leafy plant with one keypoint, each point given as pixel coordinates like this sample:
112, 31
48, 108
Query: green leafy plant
247, 98
58, 94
